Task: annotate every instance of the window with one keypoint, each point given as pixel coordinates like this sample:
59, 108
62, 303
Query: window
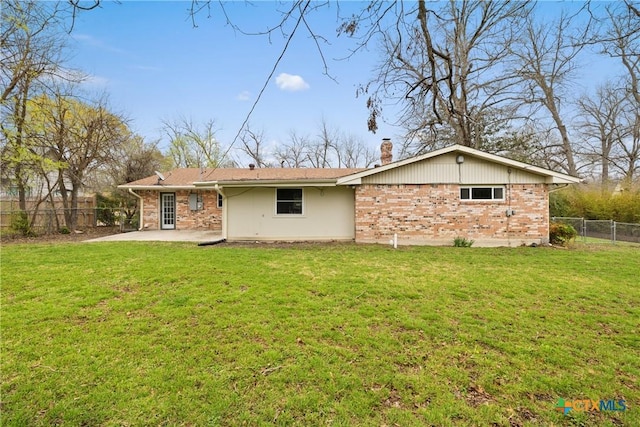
219, 200
482, 193
289, 201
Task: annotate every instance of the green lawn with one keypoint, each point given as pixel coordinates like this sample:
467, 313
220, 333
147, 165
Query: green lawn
122, 334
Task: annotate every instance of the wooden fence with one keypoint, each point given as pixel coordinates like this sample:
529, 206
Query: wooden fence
50, 220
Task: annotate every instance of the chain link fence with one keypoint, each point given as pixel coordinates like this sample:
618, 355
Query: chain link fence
591, 230
51, 221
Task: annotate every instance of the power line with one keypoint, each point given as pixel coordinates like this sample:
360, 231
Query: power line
268, 79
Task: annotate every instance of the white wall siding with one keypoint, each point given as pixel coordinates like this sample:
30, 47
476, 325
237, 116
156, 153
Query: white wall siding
328, 214
444, 170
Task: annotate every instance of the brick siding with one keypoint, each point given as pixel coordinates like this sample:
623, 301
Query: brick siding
434, 214
208, 218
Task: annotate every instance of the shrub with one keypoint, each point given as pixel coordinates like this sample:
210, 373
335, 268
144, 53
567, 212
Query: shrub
462, 242
591, 202
64, 230
20, 223
561, 234
106, 207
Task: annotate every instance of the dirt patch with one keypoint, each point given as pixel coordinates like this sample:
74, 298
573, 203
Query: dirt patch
521, 416
477, 396
393, 400
90, 233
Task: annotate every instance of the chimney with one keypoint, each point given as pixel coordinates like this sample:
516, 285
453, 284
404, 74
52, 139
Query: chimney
386, 148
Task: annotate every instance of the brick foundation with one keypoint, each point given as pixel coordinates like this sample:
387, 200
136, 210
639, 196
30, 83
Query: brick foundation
208, 218
434, 214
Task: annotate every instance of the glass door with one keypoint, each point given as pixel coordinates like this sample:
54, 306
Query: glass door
168, 211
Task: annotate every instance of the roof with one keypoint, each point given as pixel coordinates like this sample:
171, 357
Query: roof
186, 178
552, 177
192, 177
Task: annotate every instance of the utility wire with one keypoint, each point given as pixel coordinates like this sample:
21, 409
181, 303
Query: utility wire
264, 86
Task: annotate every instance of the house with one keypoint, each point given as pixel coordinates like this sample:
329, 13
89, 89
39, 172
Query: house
427, 200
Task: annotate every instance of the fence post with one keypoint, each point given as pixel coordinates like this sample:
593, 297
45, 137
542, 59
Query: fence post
613, 231
584, 229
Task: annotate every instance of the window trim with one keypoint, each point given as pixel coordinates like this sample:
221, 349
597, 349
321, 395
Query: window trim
493, 188
302, 201
219, 201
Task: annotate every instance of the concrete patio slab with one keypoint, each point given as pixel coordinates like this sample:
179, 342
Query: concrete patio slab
163, 236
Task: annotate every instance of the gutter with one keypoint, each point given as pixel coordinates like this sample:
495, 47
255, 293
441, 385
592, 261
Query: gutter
268, 183
141, 224
158, 187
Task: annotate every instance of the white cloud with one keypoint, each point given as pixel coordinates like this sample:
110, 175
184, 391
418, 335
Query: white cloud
72, 75
96, 81
91, 41
244, 95
291, 82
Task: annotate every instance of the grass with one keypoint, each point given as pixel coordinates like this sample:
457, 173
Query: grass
175, 334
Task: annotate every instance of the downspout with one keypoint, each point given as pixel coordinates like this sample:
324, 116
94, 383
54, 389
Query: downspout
509, 211
224, 210
141, 224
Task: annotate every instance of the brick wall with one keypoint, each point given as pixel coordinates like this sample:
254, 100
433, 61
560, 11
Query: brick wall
434, 214
209, 218
151, 207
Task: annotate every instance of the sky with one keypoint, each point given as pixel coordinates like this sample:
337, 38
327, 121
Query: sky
156, 66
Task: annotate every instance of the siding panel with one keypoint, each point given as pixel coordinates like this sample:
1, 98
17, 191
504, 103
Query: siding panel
328, 214
445, 170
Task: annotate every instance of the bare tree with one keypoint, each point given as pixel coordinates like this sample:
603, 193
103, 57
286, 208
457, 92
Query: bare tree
323, 147
253, 146
191, 146
619, 38
331, 148
547, 61
627, 155
446, 67
294, 153
352, 152
601, 126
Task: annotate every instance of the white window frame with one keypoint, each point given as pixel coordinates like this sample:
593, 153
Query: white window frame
301, 201
493, 193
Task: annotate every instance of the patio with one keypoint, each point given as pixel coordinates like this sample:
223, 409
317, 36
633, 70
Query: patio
163, 236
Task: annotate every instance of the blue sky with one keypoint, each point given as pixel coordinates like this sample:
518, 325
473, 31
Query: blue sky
156, 66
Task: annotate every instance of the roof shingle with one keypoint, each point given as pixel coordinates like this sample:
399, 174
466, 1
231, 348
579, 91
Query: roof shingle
187, 176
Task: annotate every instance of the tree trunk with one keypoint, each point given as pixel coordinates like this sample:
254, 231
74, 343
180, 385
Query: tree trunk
64, 195
566, 147
22, 189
